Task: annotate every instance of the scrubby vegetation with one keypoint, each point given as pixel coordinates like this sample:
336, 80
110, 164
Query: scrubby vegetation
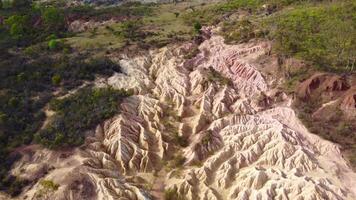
177, 161
214, 76
49, 184
30, 24
241, 31
211, 14
335, 127
172, 194
77, 114
322, 34
130, 9
27, 86
319, 32
34, 64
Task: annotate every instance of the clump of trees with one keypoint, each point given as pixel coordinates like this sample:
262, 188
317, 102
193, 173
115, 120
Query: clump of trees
31, 24
53, 18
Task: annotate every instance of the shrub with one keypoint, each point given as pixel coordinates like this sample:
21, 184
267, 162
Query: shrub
172, 194
17, 26
53, 18
53, 44
180, 140
177, 161
215, 76
207, 137
197, 27
49, 185
130, 29
30, 51
192, 53
56, 79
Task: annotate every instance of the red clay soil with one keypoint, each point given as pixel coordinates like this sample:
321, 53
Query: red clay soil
322, 83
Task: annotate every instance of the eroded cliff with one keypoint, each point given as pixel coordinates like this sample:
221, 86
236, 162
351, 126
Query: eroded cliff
207, 127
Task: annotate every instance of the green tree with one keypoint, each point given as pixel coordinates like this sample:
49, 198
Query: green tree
17, 26
130, 29
53, 18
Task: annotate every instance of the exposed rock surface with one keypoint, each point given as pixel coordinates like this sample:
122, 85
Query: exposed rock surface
236, 148
333, 89
322, 82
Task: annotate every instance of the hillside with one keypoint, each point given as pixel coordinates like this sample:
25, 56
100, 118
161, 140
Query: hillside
239, 99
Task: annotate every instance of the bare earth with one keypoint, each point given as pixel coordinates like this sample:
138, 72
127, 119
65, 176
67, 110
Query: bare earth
238, 148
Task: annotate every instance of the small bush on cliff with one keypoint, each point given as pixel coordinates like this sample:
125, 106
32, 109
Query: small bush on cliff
172, 194
49, 185
215, 76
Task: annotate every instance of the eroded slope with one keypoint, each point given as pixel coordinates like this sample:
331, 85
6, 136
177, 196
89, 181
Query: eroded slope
197, 130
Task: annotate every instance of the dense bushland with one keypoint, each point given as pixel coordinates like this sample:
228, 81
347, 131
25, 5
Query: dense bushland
36, 65
317, 31
31, 23
323, 35
26, 86
215, 13
77, 114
